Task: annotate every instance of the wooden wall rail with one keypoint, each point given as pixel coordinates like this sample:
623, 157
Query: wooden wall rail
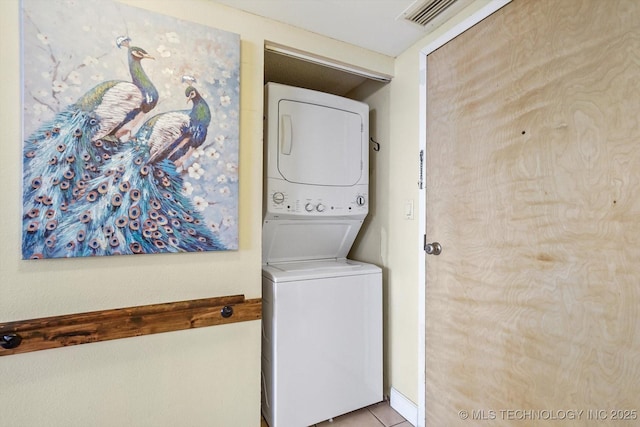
82, 328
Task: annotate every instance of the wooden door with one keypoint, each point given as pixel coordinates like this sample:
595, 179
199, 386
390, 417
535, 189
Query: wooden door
533, 190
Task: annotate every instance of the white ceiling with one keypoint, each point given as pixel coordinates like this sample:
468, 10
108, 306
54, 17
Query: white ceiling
371, 24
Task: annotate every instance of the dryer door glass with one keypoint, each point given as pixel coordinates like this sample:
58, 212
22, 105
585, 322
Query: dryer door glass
319, 145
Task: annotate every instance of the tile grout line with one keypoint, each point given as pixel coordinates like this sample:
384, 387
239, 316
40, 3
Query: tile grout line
374, 416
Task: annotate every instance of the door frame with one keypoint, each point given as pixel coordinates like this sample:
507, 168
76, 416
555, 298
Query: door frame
485, 11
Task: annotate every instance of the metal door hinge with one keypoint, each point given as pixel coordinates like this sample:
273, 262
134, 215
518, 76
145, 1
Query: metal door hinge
421, 172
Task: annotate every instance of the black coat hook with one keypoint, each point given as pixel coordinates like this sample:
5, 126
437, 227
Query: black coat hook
227, 311
9, 341
376, 145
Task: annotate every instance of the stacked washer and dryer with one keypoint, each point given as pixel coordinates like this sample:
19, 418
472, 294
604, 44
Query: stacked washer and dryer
322, 313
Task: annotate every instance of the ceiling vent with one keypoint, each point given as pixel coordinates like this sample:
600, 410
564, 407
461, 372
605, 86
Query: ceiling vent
429, 13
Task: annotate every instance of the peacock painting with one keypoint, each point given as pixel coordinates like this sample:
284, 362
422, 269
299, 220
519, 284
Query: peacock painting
131, 128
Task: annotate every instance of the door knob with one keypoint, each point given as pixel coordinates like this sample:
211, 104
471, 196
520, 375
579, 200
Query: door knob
433, 248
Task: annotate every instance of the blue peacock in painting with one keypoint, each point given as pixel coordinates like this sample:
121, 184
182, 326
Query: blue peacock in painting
136, 204
66, 152
174, 135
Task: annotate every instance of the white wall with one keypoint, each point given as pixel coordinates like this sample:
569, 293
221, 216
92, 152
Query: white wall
208, 376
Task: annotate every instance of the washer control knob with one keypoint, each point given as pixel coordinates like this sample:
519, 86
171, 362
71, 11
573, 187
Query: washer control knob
360, 201
308, 207
278, 197
320, 207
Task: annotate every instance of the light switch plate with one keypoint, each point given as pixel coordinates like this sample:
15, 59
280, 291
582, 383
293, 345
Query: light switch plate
408, 209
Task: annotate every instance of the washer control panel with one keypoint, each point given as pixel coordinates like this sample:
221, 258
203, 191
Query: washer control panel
318, 201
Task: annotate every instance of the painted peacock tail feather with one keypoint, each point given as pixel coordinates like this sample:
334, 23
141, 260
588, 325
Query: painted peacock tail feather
59, 159
133, 208
63, 155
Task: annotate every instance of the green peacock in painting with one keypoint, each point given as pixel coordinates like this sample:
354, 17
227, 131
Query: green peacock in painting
136, 205
92, 187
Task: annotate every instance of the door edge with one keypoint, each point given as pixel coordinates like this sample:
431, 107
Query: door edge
491, 7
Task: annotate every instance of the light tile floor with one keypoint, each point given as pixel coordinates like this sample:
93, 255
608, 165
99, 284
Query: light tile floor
378, 415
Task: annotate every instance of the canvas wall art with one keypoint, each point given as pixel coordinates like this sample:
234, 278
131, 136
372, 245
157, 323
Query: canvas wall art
131, 132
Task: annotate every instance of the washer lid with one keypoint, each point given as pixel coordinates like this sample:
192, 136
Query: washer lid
303, 240
317, 269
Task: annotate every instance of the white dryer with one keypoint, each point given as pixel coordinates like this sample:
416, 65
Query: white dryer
322, 313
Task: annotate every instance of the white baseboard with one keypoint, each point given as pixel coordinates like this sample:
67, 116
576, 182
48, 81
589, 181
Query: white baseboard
404, 406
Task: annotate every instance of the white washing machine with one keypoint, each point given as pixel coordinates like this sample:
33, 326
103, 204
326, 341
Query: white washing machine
322, 340
322, 313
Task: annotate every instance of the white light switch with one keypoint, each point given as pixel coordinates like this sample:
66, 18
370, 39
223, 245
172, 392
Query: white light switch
408, 209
